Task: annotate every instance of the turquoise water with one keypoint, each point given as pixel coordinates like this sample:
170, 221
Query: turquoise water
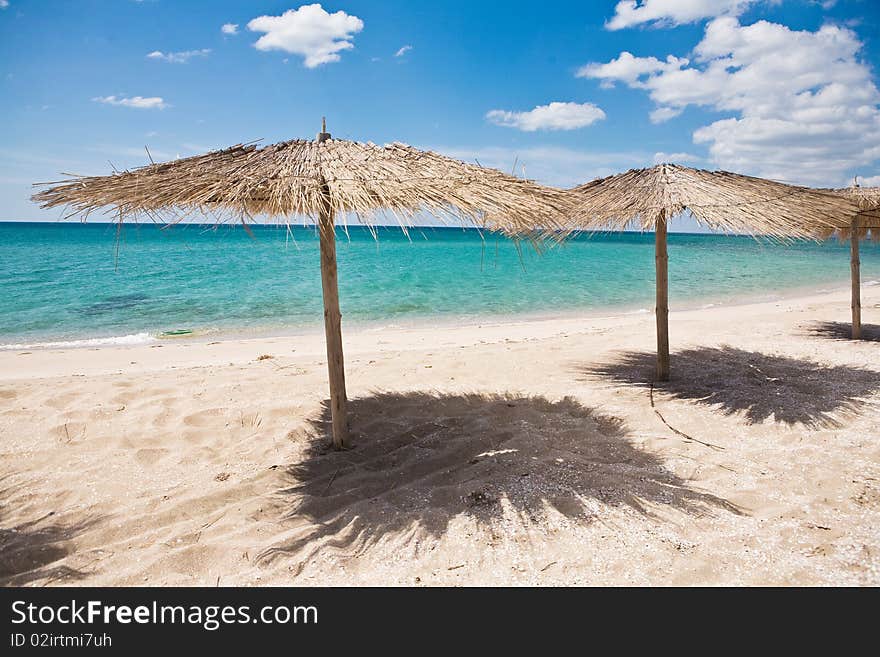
64, 282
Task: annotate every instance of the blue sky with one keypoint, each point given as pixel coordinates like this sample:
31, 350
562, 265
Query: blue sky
570, 90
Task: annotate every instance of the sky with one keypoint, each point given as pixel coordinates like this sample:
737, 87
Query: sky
561, 92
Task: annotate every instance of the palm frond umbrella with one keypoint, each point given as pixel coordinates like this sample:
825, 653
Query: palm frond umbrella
322, 179
647, 198
860, 225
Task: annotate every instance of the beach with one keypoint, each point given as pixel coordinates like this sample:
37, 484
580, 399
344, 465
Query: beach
488, 452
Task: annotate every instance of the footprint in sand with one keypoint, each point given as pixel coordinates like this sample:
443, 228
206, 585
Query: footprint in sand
157, 392
61, 401
123, 399
282, 413
211, 417
146, 398
150, 455
196, 436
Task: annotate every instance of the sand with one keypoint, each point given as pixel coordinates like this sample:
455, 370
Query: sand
497, 453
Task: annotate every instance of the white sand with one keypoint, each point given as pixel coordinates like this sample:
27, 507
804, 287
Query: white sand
196, 463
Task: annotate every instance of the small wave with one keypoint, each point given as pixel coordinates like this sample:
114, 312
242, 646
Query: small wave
871, 283
382, 327
133, 339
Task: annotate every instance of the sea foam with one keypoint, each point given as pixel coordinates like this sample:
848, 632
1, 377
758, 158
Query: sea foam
133, 339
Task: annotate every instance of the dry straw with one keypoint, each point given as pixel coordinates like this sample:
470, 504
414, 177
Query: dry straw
868, 219
300, 177
720, 200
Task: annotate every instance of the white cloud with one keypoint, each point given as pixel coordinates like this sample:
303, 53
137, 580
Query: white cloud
308, 31
661, 114
555, 116
629, 69
138, 102
4, 4
402, 51
178, 57
869, 181
801, 105
675, 158
667, 13
229, 28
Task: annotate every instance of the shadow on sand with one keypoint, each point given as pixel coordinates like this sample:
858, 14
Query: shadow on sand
759, 386
29, 551
422, 459
842, 331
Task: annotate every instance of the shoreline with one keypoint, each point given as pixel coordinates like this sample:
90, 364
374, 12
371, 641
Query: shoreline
204, 351
415, 322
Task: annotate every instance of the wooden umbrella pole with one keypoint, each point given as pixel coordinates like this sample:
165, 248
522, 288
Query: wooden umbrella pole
856, 283
332, 318
661, 261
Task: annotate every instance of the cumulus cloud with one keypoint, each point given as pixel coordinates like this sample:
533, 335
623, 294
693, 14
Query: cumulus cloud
402, 51
668, 13
137, 102
629, 69
802, 106
4, 4
181, 57
661, 114
675, 158
309, 31
869, 181
555, 116
229, 28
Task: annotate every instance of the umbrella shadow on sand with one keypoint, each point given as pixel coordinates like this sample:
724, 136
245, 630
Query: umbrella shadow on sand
30, 550
842, 331
758, 386
421, 460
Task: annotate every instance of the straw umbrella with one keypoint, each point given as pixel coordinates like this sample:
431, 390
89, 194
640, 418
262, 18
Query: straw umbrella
322, 179
648, 198
868, 219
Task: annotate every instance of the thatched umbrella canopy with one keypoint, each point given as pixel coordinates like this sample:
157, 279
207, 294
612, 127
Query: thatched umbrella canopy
321, 179
648, 198
860, 225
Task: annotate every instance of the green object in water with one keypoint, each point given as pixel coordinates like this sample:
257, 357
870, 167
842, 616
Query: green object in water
175, 333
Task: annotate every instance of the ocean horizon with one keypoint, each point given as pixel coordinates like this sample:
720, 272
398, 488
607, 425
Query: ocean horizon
75, 284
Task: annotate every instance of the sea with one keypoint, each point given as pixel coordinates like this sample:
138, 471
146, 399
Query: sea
90, 284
